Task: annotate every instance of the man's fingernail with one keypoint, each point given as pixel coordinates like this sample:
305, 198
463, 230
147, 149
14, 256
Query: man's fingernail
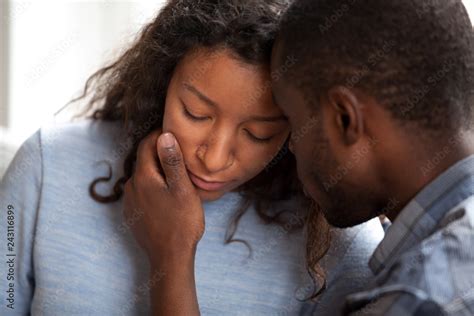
167, 140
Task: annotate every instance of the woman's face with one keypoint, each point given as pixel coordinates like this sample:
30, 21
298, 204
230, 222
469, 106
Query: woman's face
223, 116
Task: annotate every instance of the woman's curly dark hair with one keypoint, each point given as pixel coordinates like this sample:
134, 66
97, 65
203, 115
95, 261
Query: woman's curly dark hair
132, 89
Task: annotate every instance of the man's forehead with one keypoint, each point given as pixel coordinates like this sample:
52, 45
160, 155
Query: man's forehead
277, 52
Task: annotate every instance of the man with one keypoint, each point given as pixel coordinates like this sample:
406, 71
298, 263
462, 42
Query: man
390, 83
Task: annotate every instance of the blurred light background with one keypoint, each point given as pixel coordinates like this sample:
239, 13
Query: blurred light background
48, 48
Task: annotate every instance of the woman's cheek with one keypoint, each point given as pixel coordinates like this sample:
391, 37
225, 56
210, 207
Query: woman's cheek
258, 157
171, 119
181, 129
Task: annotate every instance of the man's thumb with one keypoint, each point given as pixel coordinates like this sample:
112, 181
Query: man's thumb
172, 162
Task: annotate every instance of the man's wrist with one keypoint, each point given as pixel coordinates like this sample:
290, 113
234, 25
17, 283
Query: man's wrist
172, 259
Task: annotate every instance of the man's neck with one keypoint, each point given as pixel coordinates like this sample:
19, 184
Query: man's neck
421, 172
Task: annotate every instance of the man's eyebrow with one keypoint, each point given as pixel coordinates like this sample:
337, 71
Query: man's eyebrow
200, 95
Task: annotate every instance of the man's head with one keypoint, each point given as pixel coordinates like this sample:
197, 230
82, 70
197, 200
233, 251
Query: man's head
376, 87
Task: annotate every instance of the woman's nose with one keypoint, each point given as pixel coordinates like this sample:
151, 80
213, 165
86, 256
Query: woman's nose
216, 154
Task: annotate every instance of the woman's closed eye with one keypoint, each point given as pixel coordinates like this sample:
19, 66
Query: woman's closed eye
197, 118
258, 139
192, 116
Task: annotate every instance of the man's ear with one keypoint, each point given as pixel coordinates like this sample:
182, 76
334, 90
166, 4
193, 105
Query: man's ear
347, 109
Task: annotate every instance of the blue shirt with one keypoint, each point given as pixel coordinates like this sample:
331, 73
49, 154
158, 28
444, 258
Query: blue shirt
74, 256
426, 260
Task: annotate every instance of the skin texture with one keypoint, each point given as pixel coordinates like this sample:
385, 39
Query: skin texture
358, 161
234, 107
220, 146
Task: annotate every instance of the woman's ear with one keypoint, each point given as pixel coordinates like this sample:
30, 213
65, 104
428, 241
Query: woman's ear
346, 110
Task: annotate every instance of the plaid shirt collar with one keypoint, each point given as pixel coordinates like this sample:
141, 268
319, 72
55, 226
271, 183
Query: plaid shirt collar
421, 215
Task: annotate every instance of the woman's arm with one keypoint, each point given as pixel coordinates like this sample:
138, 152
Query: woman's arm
20, 189
170, 223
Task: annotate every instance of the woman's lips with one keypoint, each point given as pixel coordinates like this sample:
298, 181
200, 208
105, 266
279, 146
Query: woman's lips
206, 185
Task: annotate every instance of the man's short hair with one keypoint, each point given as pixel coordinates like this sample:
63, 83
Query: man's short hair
416, 57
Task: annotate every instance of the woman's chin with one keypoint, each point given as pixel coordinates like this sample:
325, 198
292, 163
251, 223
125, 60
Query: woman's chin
209, 196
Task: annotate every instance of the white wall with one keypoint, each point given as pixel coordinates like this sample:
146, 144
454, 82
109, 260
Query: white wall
4, 27
470, 7
55, 45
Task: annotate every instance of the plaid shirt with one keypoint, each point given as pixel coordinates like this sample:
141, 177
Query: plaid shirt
425, 263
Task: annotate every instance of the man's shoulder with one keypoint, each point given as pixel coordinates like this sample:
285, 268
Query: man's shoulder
436, 274
453, 240
442, 265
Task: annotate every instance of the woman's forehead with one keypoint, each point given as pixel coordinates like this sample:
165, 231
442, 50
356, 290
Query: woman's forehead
220, 81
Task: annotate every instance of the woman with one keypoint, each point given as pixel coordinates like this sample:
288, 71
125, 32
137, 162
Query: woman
201, 71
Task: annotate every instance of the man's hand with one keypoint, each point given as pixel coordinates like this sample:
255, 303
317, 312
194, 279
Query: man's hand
168, 222
165, 208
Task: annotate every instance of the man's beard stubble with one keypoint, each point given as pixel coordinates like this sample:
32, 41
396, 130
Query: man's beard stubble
344, 205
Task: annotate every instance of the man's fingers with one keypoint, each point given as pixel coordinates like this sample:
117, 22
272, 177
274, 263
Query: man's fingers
172, 163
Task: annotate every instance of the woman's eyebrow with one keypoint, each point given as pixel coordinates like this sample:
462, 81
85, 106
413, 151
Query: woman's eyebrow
214, 104
200, 95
